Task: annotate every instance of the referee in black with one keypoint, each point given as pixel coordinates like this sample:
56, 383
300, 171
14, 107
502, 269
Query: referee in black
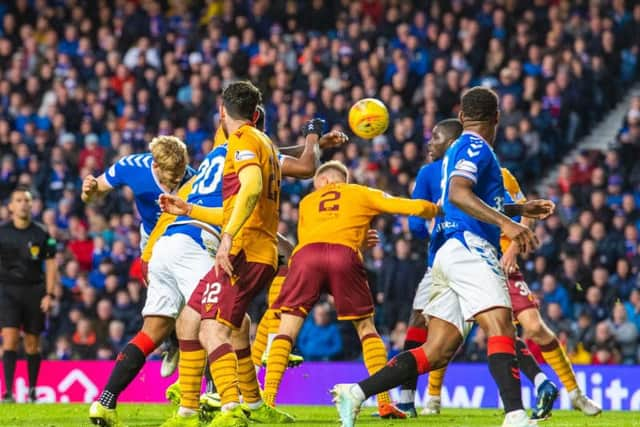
26, 257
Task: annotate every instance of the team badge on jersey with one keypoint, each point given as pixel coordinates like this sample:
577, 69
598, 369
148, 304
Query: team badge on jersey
244, 155
34, 250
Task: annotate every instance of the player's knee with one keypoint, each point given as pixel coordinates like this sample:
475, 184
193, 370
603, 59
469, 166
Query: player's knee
31, 344
417, 320
536, 330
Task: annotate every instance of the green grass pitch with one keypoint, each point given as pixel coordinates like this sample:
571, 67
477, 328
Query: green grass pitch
63, 415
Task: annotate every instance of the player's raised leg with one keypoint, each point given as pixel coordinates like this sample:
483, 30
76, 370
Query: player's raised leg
444, 339
536, 329
374, 354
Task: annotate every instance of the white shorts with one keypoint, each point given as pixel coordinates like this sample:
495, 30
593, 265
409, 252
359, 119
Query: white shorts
466, 281
176, 266
422, 293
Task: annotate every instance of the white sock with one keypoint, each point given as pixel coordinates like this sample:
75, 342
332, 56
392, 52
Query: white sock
270, 339
186, 412
255, 405
517, 412
229, 406
436, 398
357, 392
574, 393
539, 379
407, 396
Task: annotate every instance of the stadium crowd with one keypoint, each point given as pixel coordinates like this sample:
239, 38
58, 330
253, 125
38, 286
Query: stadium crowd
82, 86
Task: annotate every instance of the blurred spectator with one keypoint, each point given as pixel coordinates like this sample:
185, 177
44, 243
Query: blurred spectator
84, 342
319, 338
625, 333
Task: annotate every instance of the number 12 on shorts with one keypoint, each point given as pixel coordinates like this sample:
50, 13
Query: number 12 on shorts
210, 295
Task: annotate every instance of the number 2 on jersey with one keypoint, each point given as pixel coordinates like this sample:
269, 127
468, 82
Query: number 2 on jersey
326, 201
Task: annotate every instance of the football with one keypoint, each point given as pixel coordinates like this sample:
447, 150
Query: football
368, 118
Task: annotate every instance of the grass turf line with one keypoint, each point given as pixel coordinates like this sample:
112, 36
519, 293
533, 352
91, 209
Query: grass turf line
139, 415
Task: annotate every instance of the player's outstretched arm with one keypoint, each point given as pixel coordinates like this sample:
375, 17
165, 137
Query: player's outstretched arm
385, 203
461, 195
536, 209
94, 188
305, 166
176, 206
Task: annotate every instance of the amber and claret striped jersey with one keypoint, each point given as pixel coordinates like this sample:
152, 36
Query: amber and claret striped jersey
341, 213
513, 194
257, 237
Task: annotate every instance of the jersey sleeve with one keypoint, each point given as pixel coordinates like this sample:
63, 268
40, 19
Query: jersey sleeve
244, 150
125, 168
468, 161
382, 202
421, 191
512, 186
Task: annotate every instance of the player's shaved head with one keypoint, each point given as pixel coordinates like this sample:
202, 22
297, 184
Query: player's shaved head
479, 104
444, 133
450, 128
330, 172
240, 100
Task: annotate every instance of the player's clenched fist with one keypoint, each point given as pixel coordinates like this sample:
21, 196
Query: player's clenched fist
173, 205
335, 138
522, 235
89, 187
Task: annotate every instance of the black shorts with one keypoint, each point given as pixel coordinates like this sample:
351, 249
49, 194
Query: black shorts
20, 308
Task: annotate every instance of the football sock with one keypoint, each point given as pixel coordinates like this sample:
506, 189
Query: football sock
556, 357
260, 343
276, 364
436, 378
128, 364
33, 368
210, 385
9, 358
193, 359
528, 364
415, 338
406, 365
374, 354
503, 366
247, 381
223, 365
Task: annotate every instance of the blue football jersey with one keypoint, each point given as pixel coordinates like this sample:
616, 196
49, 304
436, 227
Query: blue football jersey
135, 172
206, 191
428, 187
472, 158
